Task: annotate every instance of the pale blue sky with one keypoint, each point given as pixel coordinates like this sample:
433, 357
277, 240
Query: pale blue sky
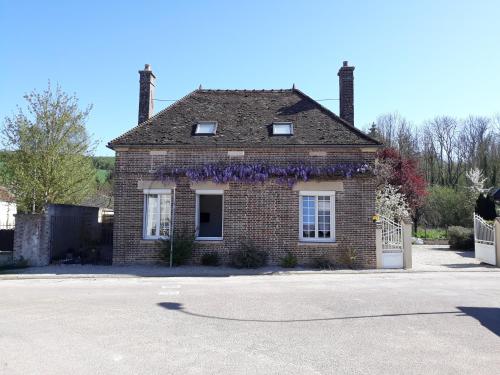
421, 58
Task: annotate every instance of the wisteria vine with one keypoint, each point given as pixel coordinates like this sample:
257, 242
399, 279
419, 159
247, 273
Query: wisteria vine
259, 173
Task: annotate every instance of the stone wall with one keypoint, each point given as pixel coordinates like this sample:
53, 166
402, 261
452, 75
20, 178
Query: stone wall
31, 239
266, 213
38, 237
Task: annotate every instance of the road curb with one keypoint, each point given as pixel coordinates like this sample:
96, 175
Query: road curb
230, 274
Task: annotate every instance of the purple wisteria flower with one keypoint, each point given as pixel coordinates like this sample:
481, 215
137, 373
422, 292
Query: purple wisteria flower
260, 173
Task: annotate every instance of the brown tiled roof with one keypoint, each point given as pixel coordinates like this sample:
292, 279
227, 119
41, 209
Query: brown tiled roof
244, 118
6, 196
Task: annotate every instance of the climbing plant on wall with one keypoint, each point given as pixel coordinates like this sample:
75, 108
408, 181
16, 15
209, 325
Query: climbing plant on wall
259, 173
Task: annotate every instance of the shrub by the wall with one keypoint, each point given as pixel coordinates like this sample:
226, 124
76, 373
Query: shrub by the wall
210, 259
249, 256
289, 261
349, 258
183, 248
323, 263
460, 238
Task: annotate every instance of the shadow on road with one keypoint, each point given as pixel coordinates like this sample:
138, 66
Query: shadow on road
489, 317
468, 265
178, 307
466, 254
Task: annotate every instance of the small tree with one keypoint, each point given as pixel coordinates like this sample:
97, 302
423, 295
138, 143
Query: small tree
476, 179
49, 151
398, 171
391, 203
183, 247
395, 170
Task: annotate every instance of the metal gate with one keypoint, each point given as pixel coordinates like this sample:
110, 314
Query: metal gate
392, 243
66, 235
484, 241
6, 238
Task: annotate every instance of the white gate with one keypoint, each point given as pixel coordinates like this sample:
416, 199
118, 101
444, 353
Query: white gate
484, 241
392, 243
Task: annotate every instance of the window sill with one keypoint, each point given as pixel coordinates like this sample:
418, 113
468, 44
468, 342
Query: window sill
317, 243
209, 239
150, 240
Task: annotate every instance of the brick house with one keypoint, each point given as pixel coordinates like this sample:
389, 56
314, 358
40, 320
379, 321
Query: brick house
271, 166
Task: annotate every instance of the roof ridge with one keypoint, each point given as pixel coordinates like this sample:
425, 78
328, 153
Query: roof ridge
337, 117
152, 117
244, 90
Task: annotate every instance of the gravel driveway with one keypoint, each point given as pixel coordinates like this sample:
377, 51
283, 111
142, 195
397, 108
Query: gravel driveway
441, 258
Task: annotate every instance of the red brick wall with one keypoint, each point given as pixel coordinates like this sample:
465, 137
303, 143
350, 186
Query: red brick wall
268, 213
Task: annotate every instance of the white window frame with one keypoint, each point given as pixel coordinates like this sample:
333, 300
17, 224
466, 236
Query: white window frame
197, 216
330, 194
289, 123
146, 192
197, 132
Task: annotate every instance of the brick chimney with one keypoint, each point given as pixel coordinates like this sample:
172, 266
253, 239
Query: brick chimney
146, 93
346, 92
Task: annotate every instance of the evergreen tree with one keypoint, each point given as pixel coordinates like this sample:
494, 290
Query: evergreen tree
485, 207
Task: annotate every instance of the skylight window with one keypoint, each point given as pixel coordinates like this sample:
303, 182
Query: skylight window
206, 127
282, 128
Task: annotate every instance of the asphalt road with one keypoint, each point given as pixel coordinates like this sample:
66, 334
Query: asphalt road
400, 323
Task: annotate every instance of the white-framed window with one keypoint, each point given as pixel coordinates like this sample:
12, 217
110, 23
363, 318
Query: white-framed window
157, 213
317, 216
206, 127
209, 215
282, 128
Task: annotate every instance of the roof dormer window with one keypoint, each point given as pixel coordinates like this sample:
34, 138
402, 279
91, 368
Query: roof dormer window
206, 128
282, 128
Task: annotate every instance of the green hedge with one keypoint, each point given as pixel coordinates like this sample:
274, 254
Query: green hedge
249, 256
461, 238
432, 233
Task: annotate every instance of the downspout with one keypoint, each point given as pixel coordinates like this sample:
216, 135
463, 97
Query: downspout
172, 231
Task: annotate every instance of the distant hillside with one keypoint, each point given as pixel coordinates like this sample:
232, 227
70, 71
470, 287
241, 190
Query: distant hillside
104, 162
104, 165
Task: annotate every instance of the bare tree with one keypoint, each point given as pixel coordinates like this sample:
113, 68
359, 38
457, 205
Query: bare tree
428, 154
446, 147
397, 132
